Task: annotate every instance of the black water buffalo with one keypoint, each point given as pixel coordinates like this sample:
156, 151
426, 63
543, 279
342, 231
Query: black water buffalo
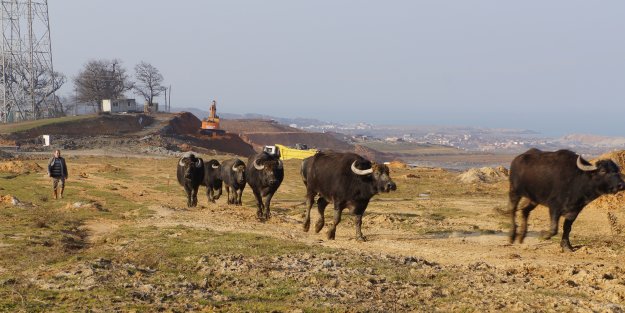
233, 176
190, 173
265, 173
212, 180
346, 179
561, 181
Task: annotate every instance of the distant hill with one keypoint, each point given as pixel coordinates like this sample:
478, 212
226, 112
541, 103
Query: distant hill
300, 122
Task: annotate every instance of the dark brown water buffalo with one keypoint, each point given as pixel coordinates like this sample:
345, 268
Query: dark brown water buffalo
233, 177
561, 181
346, 179
212, 180
190, 174
265, 173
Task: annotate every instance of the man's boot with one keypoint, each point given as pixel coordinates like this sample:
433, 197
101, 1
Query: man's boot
55, 194
61, 195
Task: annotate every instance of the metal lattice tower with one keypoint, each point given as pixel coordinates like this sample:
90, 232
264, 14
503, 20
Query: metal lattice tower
27, 77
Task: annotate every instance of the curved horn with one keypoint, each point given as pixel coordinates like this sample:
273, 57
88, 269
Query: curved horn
235, 168
583, 167
280, 164
180, 162
214, 166
199, 163
360, 172
258, 167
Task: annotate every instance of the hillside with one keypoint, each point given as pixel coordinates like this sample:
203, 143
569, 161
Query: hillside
130, 133
259, 133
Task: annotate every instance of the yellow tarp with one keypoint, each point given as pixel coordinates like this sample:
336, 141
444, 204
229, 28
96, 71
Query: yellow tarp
287, 153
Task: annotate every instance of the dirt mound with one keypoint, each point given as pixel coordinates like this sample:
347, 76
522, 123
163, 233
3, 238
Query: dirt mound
243, 126
5, 155
92, 126
616, 156
312, 140
484, 175
108, 168
373, 154
10, 200
183, 123
20, 167
398, 164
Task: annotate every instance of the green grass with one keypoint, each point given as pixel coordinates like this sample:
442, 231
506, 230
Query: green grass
26, 125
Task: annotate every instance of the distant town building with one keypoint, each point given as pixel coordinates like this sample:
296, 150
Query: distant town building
119, 105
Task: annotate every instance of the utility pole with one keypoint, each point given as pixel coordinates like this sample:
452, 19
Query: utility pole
27, 76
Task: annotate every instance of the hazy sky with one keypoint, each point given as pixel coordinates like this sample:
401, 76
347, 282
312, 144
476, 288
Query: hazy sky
556, 67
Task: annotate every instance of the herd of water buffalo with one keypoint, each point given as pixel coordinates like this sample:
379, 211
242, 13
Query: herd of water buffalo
562, 181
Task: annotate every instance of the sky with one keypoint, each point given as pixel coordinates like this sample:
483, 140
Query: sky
556, 67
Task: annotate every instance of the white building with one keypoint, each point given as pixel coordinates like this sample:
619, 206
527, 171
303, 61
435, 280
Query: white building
119, 105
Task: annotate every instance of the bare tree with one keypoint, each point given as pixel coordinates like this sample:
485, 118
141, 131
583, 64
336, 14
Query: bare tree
101, 79
149, 81
44, 84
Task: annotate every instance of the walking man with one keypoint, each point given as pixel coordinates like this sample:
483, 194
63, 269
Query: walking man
58, 171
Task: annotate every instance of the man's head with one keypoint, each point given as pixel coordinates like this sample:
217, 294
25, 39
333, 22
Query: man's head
57, 153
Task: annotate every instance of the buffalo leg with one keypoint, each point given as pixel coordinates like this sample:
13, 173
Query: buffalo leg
526, 213
267, 203
555, 219
566, 230
359, 235
514, 202
195, 190
338, 211
259, 204
215, 197
310, 200
209, 194
359, 211
229, 196
239, 194
322, 203
188, 191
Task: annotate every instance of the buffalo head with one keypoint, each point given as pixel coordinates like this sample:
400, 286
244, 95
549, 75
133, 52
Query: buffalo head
239, 173
380, 174
269, 169
190, 163
605, 173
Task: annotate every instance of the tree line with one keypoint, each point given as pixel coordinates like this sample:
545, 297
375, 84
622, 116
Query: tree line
109, 79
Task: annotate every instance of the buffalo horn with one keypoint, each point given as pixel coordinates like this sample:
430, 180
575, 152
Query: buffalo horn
199, 163
584, 167
280, 164
235, 168
258, 167
361, 172
214, 166
180, 162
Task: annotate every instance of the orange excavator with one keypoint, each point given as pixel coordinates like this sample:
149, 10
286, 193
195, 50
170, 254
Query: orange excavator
210, 125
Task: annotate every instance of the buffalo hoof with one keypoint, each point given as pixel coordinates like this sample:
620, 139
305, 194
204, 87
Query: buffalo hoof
318, 226
331, 234
361, 238
566, 246
306, 226
547, 235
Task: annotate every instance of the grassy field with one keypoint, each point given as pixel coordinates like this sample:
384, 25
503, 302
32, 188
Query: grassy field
123, 240
26, 125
